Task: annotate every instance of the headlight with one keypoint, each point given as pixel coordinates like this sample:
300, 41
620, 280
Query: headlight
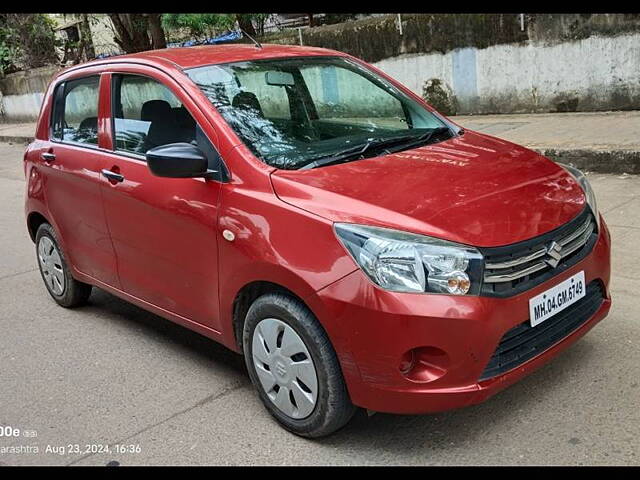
581, 178
406, 262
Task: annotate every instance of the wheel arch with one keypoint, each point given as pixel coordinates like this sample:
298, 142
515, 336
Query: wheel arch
34, 220
248, 294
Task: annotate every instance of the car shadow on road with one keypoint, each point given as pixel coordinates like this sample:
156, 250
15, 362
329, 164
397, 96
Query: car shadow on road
467, 425
382, 432
191, 344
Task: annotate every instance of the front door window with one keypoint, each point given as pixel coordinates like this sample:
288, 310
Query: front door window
147, 114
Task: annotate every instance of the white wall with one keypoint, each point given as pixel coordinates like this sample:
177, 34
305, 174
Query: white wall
22, 93
597, 73
21, 107
602, 73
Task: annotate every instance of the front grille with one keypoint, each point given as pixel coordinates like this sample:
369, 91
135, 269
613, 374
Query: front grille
512, 269
523, 342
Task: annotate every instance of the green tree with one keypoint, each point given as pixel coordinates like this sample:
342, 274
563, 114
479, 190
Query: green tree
198, 25
27, 40
7, 48
206, 25
258, 20
137, 32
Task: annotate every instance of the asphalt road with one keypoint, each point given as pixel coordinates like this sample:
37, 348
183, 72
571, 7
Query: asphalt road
111, 373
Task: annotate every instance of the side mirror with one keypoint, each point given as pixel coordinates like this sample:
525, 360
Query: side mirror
177, 160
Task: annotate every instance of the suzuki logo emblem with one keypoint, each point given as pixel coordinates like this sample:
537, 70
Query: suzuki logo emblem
553, 252
281, 369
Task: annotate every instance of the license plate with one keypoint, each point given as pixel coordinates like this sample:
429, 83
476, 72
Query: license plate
556, 299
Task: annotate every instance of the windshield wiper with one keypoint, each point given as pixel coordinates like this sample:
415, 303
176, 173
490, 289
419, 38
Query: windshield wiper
340, 156
422, 139
355, 153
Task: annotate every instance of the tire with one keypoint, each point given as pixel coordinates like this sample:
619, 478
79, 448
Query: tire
332, 409
63, 288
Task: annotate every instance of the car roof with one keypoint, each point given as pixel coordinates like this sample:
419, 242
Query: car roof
189, 57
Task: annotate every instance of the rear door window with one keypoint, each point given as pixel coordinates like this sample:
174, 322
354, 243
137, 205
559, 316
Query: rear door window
75, 117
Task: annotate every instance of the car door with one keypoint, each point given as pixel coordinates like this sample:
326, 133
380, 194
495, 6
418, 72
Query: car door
71, 164
163, 229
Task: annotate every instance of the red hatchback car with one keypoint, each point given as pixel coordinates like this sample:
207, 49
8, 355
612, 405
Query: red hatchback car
302, 208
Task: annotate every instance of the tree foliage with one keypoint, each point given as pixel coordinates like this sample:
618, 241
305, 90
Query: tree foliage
27, 40
200, 26
8, 52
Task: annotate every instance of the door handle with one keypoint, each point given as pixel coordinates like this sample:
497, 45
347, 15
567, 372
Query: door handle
48, 156
112, 176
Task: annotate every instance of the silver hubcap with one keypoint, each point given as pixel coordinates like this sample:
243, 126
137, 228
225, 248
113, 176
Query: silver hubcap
285, 368
51, 265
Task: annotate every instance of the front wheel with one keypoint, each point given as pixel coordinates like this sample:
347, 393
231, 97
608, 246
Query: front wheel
293, 366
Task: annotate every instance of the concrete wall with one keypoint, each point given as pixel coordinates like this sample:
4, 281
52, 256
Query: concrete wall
464, 63
22, 93
595, 73
102, 33
498, 63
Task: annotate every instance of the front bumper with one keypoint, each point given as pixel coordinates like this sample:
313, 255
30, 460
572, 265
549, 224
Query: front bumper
455, 336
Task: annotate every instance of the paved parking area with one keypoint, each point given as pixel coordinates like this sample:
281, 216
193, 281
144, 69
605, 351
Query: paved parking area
111, 373
576, 130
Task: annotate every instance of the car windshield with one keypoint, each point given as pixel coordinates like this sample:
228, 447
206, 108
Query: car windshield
307, 112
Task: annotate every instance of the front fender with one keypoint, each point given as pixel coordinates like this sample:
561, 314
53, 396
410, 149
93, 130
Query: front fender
277, 243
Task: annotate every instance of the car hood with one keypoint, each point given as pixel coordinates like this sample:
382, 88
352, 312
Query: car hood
473, 189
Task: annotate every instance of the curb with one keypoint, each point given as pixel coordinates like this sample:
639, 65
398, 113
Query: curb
16, 139
599, 161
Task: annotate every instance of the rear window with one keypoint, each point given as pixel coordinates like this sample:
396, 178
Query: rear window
75, 117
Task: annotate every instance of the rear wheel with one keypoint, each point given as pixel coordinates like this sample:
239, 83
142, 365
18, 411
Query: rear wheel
293, 366
65, 290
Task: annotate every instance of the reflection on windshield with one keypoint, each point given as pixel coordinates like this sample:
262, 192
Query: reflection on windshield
291, 112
